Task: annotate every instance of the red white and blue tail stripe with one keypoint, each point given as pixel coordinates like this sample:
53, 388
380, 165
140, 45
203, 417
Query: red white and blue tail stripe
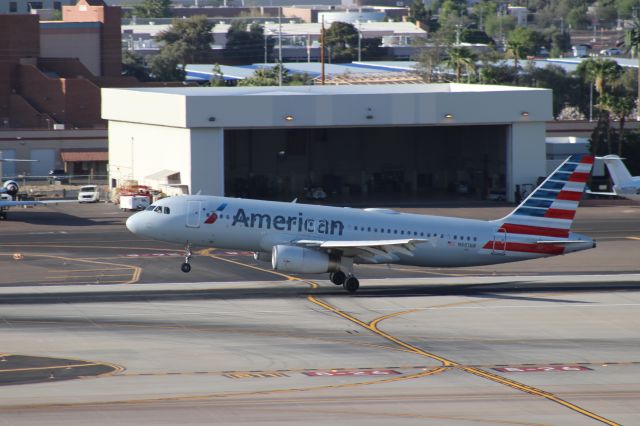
550, 209
540, 225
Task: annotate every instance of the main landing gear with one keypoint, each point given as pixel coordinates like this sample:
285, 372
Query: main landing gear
349, 283
186, 267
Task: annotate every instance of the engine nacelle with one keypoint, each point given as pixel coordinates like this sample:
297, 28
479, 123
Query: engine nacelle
11, 187
302, 260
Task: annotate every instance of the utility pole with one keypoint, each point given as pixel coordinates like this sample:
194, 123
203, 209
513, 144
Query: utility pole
280, 46
322, 51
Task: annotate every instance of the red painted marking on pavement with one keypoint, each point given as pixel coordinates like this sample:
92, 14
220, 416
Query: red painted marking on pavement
333, 373
542, 369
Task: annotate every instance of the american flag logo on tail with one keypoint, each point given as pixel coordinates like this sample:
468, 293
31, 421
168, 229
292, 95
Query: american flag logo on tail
549, 210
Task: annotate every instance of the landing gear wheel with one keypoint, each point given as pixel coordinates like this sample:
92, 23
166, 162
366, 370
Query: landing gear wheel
186, 267
338, 278
351, 284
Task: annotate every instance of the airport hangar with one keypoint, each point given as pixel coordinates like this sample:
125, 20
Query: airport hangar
369, 143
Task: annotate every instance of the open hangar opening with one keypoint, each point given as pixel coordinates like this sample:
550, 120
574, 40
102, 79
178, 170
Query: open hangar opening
374, 143
369, 164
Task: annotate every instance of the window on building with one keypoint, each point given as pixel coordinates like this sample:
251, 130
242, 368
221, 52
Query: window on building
35, 5
13, 6
57, 5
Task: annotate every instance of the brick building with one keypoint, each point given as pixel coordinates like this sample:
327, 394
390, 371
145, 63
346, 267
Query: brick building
51, 73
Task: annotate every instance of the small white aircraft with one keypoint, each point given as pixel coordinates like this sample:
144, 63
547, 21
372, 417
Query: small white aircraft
624, 185
10, 189
303, 238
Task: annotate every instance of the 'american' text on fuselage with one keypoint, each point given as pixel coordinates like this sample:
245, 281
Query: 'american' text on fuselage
288, 223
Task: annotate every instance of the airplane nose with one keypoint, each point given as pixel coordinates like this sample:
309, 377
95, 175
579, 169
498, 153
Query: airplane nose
133, 223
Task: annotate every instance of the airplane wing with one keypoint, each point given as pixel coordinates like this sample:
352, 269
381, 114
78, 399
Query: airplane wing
11, 203
368, 250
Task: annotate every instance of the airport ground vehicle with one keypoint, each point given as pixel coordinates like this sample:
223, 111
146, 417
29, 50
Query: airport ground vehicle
89, 194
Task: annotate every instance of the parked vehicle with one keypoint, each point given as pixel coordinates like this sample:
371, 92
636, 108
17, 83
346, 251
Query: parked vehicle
89, 194
134, 202
611, 51
58, 175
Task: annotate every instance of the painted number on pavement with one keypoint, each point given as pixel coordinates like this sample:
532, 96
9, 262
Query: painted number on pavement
351, 373
540, 369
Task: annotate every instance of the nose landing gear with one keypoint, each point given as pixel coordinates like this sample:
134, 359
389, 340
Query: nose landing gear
186, 267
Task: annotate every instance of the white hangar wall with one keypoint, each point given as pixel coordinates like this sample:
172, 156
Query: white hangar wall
182, 129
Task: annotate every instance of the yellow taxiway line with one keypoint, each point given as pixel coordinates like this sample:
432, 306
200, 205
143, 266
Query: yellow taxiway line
446, 363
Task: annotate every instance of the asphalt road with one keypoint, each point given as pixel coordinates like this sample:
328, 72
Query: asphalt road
100, 327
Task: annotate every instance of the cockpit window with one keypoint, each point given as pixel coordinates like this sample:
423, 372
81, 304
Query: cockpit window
151, 207
158, 209
167, 211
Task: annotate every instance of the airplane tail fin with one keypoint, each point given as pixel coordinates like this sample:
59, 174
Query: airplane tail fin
549, 210
617, 169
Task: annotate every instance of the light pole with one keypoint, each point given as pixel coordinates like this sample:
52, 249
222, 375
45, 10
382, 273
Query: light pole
359, 42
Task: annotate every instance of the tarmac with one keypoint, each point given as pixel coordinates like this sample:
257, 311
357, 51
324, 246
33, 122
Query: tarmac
99, 327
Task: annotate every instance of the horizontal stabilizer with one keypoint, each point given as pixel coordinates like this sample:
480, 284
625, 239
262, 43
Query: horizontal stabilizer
560, 242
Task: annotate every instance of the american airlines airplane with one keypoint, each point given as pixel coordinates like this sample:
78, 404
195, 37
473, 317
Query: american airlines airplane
624, 185
303, 238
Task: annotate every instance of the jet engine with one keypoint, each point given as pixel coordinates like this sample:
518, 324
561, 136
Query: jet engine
303, 260
11, 188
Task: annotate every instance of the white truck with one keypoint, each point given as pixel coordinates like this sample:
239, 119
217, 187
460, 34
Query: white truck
134, 202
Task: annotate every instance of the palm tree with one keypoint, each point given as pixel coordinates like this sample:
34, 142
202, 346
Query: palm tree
632, 45
600, 71
461, 58
620, 107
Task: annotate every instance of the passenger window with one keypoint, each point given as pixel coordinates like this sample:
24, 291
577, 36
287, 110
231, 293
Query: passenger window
167, 211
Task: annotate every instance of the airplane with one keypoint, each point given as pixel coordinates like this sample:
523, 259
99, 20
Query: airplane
10, 189
299, 238
624, 185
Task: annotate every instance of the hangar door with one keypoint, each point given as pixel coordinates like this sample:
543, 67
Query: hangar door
46, 161
368, 164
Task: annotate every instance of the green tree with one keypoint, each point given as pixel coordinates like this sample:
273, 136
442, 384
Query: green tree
632, 45
625, 8
473, 35
247, 46
459, 59
133, 66
269, 76
520, 43
169, 64
418, 13
217, 79
497, 74
342, 40
599, 72
193, 34
153, 9
619, 107
429, 58
499, 25
578, 18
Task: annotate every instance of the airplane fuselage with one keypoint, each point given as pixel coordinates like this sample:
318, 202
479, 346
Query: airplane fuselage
258, 226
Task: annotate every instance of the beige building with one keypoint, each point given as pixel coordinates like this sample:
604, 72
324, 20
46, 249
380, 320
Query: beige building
377, 142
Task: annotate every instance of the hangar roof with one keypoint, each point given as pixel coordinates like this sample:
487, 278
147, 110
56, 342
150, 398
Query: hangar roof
329, 90
321, 106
